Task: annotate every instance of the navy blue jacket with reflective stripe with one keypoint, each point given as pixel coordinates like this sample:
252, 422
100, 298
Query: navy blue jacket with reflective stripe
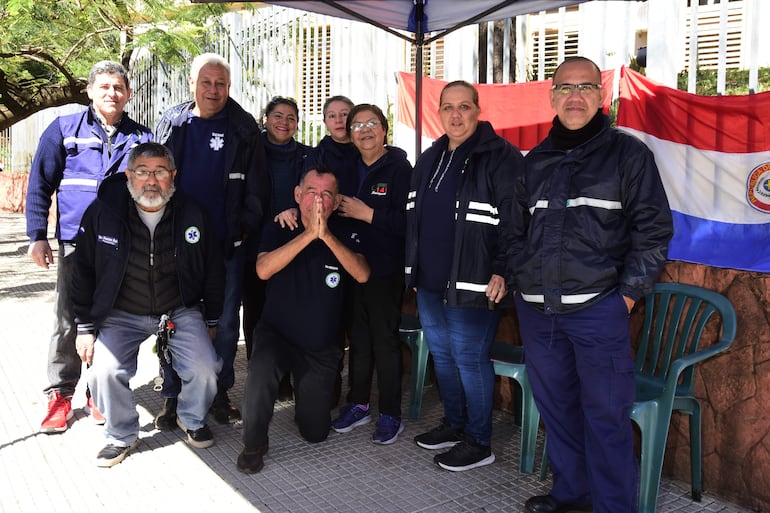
482, 215
595, 219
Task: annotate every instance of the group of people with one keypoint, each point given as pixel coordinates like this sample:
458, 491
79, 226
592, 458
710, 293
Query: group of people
216, 213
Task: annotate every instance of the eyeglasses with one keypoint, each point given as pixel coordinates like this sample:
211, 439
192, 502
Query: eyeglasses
357, 127
143, 174
567, 89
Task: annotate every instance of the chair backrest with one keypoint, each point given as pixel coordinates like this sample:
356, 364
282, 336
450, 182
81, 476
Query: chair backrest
670, 342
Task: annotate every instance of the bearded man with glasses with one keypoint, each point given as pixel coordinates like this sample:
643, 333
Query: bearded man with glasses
145, 251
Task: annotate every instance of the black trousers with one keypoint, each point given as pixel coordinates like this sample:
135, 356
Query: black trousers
375, 344
314, 374
253, 302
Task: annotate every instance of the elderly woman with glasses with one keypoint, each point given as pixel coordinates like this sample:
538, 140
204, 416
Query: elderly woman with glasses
458, 230
376, 208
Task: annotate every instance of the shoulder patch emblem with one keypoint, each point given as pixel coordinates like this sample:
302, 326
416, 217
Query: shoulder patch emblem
192, 235
379, 189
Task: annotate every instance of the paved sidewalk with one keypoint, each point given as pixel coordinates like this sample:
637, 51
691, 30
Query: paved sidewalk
347, 473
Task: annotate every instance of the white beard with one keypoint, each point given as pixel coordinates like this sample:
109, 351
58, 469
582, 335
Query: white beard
151, 203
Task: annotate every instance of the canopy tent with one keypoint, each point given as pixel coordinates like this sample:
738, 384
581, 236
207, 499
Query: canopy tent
422, 17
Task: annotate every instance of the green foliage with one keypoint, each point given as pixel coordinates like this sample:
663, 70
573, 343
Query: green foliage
736, 82
44, 40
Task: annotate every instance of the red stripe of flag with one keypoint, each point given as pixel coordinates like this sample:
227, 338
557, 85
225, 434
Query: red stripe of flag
521, 113
728, 124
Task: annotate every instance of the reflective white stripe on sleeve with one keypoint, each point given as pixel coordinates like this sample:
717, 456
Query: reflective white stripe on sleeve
594, 202
410, 200
82, 140
89, 182
574, 299
484, 207
473, 287
236, 176
237, 243
477, 218
539, 204
408, 270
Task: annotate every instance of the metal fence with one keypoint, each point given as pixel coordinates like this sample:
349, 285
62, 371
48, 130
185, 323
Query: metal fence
5, 149
277, 51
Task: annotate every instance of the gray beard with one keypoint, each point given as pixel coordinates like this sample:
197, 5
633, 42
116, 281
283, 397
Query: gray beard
150, 203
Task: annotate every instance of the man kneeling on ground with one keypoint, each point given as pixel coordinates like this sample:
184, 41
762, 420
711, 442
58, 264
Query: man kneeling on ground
143, 251
299, 327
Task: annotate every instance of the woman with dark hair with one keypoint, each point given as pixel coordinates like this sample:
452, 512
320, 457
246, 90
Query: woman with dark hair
376, 207
286, 159
458, 231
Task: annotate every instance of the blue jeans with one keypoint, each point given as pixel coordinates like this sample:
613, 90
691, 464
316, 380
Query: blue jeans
229, 326
64, 364
459, 340
582, 376
115, 360
228, 329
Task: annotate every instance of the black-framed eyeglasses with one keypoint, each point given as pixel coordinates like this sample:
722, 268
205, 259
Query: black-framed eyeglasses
357, 127
584, 88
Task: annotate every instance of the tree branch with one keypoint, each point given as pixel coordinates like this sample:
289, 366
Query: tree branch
38, 55
82, 40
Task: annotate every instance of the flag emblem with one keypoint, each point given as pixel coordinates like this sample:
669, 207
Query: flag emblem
758, 188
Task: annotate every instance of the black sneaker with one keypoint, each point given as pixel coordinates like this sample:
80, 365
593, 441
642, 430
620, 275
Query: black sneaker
223, 410
440, 437
111, 455
200, 438
540, 503
166, 419
250, 461
465, 456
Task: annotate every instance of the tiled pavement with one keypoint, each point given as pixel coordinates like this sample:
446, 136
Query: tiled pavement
347, 473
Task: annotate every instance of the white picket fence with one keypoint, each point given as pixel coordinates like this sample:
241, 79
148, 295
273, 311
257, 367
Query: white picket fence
275, 51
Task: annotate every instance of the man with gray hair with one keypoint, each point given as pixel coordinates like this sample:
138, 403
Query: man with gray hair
147, 256
76, 152
218, 148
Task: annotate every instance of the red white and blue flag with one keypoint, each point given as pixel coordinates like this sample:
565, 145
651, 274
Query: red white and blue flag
713, 153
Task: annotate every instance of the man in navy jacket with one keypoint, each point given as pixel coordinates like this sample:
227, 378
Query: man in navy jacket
591, 230
218, 148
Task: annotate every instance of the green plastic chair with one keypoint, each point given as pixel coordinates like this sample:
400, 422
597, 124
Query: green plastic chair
675, 318
508, 360
410, 332
669, 347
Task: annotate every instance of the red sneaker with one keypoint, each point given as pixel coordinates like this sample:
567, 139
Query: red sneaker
59, 412
91, 409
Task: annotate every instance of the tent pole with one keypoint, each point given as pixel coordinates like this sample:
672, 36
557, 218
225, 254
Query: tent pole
418, 69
